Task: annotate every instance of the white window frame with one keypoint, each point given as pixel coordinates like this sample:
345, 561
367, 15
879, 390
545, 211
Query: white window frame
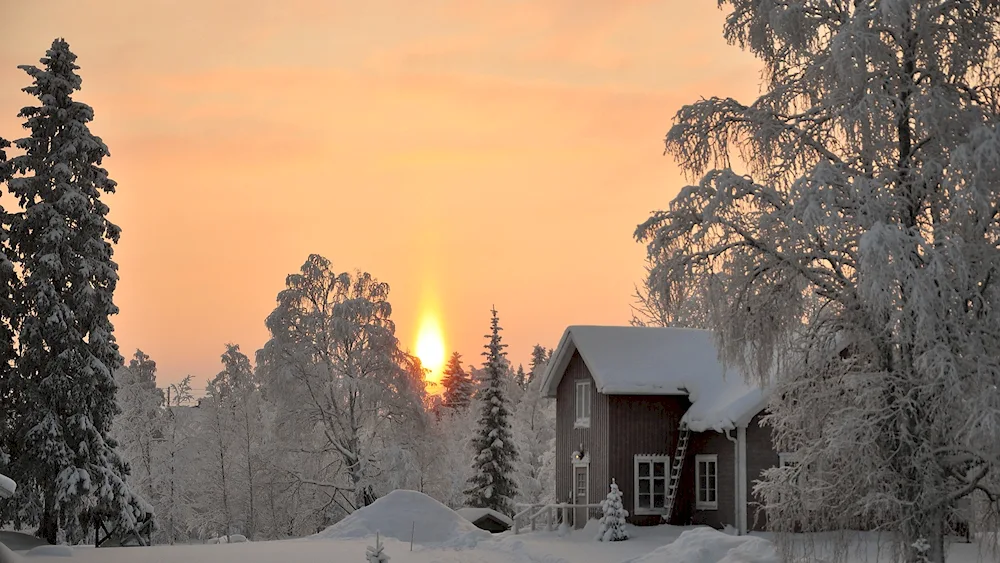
786, 459
583, 404
705, 504
650, 459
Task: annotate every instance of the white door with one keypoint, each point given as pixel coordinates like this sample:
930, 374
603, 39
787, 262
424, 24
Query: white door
581, 494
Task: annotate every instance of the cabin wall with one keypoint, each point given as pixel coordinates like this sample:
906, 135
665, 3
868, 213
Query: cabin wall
641, 424
569, 439
761, 455
711, 442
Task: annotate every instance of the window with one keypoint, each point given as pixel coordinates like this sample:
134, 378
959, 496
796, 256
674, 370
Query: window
788, 460
803, 482
706, 476
582, 404
581, 484
651, 484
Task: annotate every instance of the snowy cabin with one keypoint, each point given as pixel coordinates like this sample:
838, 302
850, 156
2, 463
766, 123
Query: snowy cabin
655, 409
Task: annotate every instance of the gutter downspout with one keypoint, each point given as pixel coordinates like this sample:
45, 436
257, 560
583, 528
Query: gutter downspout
736, 481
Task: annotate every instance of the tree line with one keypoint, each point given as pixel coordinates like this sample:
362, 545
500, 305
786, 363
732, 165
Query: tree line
332, 414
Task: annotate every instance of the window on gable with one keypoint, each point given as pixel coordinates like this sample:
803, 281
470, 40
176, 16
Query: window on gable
582, 404
707, 481
651, 484
788, 460
803, 481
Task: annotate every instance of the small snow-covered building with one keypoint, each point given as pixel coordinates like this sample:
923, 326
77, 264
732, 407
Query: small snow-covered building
656, 410
486, 519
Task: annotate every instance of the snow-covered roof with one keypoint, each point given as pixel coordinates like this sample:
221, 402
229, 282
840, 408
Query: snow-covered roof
473, 514
628, 360
7, 486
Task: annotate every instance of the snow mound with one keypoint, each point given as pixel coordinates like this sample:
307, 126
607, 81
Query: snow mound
50, 551
473, 514
707, 545
8, 556
232, 538
398, 513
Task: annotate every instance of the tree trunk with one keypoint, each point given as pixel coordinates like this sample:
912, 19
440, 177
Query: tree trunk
48, 527
251, 517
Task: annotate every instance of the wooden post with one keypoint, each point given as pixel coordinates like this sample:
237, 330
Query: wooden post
413, 528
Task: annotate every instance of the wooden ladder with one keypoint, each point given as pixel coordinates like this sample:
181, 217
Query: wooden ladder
676, 466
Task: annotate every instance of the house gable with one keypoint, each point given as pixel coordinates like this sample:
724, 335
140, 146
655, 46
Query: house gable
590, 443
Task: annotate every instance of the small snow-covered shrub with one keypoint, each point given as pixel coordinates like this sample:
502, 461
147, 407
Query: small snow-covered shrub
376, 553
613, 521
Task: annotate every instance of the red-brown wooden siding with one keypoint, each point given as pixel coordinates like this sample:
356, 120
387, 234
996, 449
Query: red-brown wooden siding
725, 450
569, 439
761, 455
622, 426
641, 424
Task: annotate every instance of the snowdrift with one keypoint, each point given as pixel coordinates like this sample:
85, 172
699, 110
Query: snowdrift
707, 545
50, 551
399, 512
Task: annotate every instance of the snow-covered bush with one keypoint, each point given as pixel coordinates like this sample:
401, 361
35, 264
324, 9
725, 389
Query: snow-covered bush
613, 521
376, 553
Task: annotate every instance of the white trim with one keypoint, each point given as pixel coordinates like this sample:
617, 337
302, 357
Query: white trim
742, 504
706, 504
584, 404
580, 518
650, 459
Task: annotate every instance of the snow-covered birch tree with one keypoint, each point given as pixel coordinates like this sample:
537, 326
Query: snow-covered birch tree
176, 472
857, 248
533, 426
63, 239
139, 426
492, 484
333, 364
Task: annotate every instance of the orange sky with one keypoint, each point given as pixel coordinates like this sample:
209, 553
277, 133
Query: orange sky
469, 153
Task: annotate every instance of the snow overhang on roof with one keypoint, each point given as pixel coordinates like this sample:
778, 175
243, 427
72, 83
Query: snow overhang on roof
627, 360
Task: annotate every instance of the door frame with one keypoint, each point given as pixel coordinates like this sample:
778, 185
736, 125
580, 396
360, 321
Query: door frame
580, 515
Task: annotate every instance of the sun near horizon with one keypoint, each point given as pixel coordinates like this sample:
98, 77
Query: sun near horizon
430, 347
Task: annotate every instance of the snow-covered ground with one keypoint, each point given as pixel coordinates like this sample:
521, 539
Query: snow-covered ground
577, 547
440, 535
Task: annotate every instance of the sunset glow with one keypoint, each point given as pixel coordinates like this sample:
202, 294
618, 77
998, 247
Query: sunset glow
430, 347
511, 147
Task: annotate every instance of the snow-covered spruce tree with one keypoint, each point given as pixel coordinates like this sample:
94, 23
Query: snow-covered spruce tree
858, 253
539, 357
613, 521
333, 357
12, 403
458, 385
68, 355
492, 485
